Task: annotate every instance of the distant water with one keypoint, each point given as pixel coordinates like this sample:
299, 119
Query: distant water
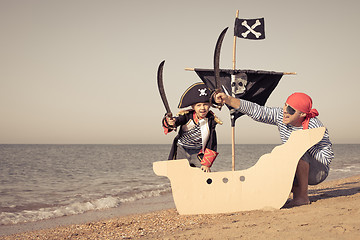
40, 182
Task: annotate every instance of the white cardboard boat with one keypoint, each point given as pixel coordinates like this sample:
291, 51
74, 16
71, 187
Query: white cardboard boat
266, 185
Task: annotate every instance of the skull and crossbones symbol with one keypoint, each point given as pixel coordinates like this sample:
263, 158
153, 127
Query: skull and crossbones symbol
251, 29
202, 92
238, 84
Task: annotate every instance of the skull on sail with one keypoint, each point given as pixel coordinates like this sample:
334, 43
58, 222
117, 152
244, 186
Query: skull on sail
238, 83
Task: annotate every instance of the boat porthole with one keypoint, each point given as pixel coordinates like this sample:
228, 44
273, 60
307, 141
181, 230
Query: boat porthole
209, 181
225, 180
242, 178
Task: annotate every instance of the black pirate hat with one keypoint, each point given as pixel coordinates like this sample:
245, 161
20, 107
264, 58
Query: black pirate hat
196, 93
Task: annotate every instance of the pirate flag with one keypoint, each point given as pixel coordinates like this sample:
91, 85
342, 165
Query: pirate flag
251, 85
250, 28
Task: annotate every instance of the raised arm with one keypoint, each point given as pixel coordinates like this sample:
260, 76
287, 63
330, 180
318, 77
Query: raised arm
222, 98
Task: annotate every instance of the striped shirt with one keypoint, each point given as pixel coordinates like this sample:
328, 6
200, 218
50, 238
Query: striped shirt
191, 138
321, 151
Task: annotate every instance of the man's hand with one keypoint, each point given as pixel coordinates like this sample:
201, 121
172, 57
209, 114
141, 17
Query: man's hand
221, 98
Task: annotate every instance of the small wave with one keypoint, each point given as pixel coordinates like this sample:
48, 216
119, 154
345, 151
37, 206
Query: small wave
12, 217
145, 194
352, 168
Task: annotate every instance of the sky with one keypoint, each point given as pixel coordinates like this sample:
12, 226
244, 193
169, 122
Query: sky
84, 71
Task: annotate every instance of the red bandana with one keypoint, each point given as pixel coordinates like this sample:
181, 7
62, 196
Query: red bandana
303, 103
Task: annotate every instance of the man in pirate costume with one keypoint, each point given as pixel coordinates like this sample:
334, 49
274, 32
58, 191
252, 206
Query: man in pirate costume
196, 140
295, 115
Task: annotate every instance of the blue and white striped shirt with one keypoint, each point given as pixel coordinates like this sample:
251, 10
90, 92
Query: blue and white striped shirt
322, 151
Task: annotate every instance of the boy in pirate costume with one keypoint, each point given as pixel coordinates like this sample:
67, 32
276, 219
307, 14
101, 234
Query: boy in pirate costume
196, 140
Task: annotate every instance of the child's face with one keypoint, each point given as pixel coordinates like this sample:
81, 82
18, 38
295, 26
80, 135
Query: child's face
201, 109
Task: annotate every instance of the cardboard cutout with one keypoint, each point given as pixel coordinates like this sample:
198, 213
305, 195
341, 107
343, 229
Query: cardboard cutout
266, 185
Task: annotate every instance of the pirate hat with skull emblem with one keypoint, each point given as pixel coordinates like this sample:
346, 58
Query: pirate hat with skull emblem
196, 93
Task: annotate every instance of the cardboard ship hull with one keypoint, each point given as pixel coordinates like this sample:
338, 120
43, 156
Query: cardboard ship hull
266, 185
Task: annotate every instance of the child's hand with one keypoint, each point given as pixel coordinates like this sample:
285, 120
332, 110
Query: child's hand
205, 168
170, 121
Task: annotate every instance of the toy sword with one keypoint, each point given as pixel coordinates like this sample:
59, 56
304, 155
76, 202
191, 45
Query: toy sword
161, 89
218, 87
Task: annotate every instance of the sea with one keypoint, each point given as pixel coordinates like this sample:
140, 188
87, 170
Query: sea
39, 182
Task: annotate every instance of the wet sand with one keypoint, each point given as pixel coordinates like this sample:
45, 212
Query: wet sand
333, 214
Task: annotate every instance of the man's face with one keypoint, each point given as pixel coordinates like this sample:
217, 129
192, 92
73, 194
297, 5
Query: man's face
292, 116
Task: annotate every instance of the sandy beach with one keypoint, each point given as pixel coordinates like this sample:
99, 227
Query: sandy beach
333, 214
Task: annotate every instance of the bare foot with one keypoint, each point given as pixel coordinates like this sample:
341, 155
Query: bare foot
296, 203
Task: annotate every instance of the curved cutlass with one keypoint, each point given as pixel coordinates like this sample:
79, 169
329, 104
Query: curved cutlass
161, 89
217, 66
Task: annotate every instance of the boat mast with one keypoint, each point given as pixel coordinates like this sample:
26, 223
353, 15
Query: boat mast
232, 116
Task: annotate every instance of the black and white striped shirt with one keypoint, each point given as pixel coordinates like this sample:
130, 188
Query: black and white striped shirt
191, 138
322, 151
